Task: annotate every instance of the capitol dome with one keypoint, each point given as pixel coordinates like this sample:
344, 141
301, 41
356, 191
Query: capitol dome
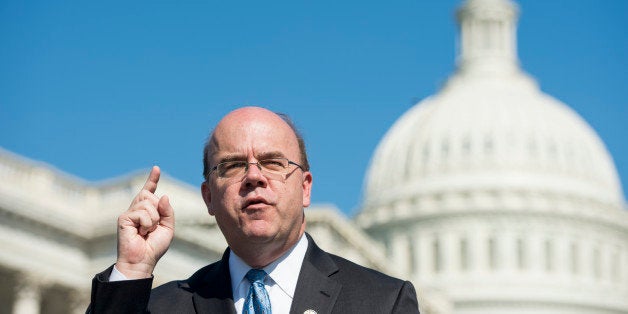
491, 129
497, 195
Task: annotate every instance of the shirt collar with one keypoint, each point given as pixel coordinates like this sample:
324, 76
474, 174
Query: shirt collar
282, 271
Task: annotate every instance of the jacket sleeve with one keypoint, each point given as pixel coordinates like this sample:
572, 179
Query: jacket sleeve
406, 300
128, 296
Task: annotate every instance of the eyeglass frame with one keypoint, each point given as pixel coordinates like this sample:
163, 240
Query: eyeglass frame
246, 168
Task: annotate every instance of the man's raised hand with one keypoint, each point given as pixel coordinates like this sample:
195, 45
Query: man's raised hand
145, 231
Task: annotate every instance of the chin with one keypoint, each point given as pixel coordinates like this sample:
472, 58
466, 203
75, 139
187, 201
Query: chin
260, 232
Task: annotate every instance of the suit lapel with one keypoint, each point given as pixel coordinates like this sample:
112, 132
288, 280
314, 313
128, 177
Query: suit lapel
212, 290
315, 289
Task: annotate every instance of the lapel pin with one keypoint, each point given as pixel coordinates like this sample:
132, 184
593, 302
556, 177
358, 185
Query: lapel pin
310, 312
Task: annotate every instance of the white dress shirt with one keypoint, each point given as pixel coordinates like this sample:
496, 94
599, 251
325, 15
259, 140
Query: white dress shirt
280, 283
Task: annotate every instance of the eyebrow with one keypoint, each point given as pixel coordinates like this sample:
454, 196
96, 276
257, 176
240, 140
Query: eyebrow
231, 158
273, 154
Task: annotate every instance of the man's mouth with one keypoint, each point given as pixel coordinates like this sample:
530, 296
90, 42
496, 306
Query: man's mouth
255, 202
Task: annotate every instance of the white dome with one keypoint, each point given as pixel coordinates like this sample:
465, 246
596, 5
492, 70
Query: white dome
497, 196
491, 133
490, 129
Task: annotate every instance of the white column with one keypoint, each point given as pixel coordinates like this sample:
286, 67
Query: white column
535, 256
450, 252
425, 255
418, 255
479, 251
563, 257
507, 251
400, 252
27, 297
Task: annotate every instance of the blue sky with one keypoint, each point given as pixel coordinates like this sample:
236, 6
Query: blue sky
101, 89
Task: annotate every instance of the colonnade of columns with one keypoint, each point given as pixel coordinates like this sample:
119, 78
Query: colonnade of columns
24, 294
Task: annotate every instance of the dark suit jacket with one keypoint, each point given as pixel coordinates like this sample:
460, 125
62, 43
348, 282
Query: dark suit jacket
327, 284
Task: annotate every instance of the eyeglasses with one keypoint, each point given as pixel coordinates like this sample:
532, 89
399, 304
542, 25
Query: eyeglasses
272, 168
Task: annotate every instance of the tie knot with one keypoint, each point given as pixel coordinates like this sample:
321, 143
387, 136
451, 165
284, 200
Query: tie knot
255, 275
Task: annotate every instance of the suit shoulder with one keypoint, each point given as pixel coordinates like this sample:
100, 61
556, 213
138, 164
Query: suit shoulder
349, 266
360, 273
377, 292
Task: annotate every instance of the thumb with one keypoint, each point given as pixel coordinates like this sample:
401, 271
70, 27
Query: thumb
166, 212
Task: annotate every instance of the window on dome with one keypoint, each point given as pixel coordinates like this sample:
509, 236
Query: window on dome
532, 147
615, 268
574, 252
488, 42
597, 267
501, 35
548, 255
444, 148
488, 145
409, 164
521, 254
426, 152
570, 154
466, 145
437, 256
552, 150
492, 253
464, 254
426, 155
511, 141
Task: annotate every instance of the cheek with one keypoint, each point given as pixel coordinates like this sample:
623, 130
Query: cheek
224, 199
290, 196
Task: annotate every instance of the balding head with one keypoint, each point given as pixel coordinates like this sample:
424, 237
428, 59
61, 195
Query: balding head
239, 118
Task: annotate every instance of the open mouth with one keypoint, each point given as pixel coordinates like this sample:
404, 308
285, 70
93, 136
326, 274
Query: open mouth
255, 202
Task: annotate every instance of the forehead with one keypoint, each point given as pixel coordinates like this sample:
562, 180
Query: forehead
254, 132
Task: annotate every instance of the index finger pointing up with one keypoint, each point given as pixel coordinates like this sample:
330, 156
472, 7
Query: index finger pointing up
153, 179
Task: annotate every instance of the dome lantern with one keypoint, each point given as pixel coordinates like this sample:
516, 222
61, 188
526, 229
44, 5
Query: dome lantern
488, 36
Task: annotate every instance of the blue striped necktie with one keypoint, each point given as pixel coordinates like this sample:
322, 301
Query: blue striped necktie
257, 300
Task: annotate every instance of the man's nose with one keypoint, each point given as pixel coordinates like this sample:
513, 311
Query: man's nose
253, 175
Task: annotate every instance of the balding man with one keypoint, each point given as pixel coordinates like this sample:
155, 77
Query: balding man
257, 183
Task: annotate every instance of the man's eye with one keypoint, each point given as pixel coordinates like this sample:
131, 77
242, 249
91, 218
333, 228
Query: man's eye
273, 164
234, 165
231, 167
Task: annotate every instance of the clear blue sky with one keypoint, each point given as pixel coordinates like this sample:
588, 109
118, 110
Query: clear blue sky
101, 89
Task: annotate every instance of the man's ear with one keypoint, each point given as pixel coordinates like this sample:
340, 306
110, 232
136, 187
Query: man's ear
307, 188
207, 197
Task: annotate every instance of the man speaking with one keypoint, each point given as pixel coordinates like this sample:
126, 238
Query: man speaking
257, 184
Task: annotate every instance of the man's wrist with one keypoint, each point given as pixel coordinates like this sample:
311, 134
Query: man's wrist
132, 271
116, 275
